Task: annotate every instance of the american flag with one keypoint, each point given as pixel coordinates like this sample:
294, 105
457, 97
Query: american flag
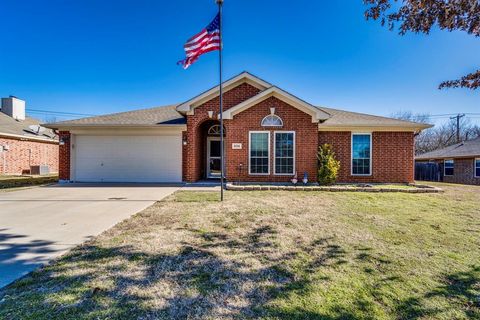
205, 41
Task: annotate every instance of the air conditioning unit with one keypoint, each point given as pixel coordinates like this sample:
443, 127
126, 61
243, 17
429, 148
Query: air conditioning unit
39, 170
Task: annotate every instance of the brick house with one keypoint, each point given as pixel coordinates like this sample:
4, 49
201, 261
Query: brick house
23, 142
459, 163
270, 135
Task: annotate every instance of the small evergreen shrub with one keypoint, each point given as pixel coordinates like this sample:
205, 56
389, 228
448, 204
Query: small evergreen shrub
328, 166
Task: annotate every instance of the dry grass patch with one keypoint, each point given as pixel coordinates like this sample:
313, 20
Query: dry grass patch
304, 255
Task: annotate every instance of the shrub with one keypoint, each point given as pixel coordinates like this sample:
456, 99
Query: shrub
328, 166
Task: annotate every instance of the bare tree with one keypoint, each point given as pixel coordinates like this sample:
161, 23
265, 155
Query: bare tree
420, 16
440, 136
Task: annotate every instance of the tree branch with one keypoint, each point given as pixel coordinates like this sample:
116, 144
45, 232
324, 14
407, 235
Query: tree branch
420, 16
470, 81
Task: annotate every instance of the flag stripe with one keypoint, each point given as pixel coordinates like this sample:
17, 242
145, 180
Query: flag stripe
202, 42
205, 41
196, 37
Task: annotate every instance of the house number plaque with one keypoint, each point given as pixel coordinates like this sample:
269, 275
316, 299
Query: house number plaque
236, 146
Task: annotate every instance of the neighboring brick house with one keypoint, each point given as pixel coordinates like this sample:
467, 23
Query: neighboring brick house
270, 135
459, 163
23, 142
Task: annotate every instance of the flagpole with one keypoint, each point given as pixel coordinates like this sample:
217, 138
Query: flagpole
222, 151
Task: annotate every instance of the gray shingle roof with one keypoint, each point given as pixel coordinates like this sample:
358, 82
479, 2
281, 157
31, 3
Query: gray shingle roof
10, 126
347, 118
166, 115
469, 148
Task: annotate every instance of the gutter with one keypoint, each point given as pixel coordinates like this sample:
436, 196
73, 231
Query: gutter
114, 126
20, 137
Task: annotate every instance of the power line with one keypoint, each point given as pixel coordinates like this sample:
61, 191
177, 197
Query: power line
59, 112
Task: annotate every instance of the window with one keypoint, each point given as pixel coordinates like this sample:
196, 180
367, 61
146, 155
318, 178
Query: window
272, 121
477, 168
448, 167
284, 153
215, 130
361, 154
259, 159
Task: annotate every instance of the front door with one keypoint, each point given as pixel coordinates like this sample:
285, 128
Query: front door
214, 159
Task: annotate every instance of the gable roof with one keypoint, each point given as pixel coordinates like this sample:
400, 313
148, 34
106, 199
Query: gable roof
20, 129
329, 119
244, 77
341, 119
316, 113
469, 148
157, 116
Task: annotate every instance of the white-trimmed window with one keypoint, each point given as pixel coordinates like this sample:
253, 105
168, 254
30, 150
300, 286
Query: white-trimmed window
259, 153
448, 167
361, 154
476, 167
284, 151
272, 120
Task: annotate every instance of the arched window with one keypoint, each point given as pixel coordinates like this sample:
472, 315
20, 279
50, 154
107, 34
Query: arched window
272, 120
214, 130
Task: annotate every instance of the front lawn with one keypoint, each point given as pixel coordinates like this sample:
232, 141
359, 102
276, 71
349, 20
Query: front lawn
271, 255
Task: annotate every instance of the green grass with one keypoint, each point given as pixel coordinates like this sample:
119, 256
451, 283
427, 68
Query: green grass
15, 181
271, 255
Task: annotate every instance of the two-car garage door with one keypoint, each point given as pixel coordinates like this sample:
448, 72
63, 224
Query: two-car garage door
105, 158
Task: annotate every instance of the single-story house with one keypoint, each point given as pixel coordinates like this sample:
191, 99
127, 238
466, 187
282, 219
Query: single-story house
270, 135
459, 163
24, 143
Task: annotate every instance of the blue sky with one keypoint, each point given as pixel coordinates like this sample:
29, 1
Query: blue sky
98, 57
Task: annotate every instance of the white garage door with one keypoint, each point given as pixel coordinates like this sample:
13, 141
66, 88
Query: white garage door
128, 158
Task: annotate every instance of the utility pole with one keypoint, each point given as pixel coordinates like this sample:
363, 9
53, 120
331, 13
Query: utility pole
458, 117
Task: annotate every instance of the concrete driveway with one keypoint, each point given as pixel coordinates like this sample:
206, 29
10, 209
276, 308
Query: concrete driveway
39, 224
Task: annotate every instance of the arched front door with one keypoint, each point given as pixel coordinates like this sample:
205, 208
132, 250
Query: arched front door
214, 159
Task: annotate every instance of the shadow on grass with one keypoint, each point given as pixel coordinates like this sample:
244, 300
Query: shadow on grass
123, 283
463, 288
119, 281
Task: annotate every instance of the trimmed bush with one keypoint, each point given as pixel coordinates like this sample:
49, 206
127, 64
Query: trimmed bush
328, 166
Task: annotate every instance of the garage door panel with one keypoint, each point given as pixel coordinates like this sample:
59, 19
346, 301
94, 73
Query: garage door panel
128, 158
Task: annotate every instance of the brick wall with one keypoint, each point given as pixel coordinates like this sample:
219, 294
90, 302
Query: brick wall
193, 154
24, 153
64, 156
306, 141
392, 156
237, 132
462, 172
392, 152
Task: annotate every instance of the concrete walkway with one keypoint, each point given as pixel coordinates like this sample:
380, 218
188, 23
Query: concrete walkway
39, 224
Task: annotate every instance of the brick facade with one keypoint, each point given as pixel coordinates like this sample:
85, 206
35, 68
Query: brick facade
392, 156
193, 151
392, 152
463, 171
25, 153
64, 157
306, 141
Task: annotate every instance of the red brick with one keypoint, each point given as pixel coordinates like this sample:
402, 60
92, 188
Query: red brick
463, 171
64, 157
392, 156
24, 153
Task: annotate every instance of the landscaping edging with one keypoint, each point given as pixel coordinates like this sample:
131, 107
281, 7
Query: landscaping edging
417, 189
